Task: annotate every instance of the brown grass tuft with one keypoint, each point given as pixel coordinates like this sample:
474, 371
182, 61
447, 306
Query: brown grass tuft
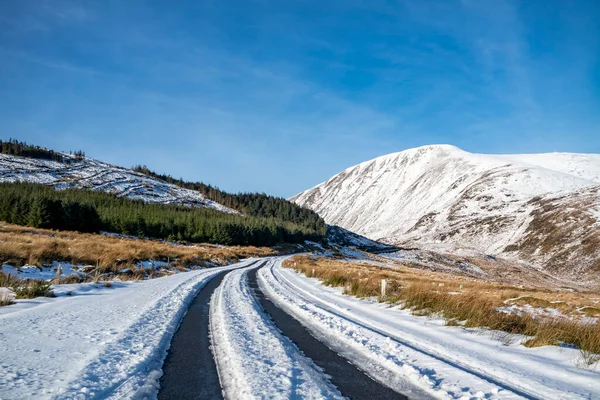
465, 303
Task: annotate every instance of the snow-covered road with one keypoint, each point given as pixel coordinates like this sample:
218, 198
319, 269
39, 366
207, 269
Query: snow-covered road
253, 358
403, 350
96, 343
112, 342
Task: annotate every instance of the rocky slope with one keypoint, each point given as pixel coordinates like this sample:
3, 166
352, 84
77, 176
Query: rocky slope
543, 208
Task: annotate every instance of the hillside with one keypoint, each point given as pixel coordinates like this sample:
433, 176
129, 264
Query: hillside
541, 208
87, 173
91, 196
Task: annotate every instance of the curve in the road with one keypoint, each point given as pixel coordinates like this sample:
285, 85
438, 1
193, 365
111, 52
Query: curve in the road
523, 393
189, 371
350, 381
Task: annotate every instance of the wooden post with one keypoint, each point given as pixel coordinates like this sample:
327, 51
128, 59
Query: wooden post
383, 287
58, 274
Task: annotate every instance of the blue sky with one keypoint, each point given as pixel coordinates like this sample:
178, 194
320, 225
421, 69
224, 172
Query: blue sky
277, 96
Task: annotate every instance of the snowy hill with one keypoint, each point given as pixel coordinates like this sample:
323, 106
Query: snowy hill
91, 174
341, 237
539, 208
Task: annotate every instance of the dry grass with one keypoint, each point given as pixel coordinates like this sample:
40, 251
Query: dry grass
29, 246
469, 303
70, 279
32, 288
8, 281
24, 288
590, 311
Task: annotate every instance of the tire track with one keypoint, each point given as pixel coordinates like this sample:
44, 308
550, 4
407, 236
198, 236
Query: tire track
350, 381
189, 371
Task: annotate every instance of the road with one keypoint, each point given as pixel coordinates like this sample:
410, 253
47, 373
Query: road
289, 363
257, 330
189, 370
278, 335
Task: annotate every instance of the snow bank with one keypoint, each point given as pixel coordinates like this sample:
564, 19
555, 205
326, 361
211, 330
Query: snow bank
447, 362
254, 359
99, 342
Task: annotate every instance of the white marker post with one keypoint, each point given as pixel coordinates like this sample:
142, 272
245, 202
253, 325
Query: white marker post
383, 287
58, 274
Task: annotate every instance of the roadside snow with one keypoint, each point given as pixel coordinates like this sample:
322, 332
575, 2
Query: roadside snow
253, 358
399, 349
99, 342
48, 272
45, 273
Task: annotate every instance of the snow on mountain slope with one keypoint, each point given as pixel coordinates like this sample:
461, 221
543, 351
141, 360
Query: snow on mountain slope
341, 237
92, 174
444, 198
585, 166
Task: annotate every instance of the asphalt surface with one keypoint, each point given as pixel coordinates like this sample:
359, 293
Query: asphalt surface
350, 381
189, 371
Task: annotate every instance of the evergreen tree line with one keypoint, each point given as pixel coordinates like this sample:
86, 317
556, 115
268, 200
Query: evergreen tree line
254, 204
15, 148
41, 206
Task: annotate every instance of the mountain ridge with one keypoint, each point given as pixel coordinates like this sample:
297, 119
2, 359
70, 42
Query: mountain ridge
442, 197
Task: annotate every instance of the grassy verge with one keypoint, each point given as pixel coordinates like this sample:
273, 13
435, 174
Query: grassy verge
468, 303
29, 246
22, 289
104, 255
32, 288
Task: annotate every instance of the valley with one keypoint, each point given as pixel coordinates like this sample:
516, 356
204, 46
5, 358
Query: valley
439, 274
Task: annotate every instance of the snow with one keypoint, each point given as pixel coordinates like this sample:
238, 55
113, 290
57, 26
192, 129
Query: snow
340, 237
443, 198
314, 244
45, 273
403, 350
93, 341
48, 272
533, 311
586, 166
95, 175
595, 213
254, 359
439, 262
101, 342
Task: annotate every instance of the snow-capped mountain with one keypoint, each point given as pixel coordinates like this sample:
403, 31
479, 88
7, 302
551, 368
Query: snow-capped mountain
539, 208
92, 174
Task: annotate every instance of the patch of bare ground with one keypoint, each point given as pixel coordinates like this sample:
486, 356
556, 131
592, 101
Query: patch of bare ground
493, 269
470, 302
556, 224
